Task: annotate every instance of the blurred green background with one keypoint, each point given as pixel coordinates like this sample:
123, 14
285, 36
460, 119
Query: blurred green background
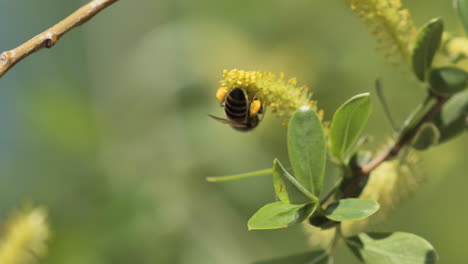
109, 129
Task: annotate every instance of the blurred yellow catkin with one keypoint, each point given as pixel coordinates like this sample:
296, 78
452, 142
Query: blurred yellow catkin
389, 184
281, 96
454, 48
390, 24
24, 237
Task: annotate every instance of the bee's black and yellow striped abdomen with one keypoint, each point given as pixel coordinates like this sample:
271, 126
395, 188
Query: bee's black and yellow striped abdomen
236, 105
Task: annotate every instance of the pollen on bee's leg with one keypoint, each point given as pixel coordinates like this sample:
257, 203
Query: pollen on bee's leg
221, 93
255, 107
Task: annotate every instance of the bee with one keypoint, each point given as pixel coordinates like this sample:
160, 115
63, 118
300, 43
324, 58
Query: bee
241, 111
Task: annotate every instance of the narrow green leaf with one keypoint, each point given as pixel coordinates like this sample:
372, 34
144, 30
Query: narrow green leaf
351, 209
462, 9
417, 115
287, 188
280, 215
426, 46
428, 135
239, 176
313, 257
347, 124
448, 80
392, 248
452, 119
307, 150
383, 102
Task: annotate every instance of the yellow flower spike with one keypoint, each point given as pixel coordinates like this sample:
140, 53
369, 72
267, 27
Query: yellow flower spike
24, 238
293, 81
389, 24
455, 48
282, 96
389, 184
321, 113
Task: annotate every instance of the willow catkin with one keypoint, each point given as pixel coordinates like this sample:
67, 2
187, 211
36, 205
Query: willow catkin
390, 24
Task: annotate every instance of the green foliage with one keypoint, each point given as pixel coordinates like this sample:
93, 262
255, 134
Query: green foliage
307, 149
417, 115
392, 248
287, 188
313, 257
428, 135
351, 209
306, 145
426, 46
448, 80
452, 119
347, 124
280, 215
462, 9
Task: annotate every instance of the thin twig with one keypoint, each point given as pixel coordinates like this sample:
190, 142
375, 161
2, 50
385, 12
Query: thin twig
362, 173
49, 38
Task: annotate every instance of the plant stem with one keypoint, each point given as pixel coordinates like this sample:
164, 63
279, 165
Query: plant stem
361, 174
240, 176
336, 238
49, 38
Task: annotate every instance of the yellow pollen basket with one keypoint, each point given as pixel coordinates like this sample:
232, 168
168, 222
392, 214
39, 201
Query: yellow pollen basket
255, 107
221, 93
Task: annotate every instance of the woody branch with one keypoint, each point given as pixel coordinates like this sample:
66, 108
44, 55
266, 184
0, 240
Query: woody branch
49, 38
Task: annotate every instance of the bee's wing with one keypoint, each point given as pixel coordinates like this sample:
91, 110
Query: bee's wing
222, 120
227, 122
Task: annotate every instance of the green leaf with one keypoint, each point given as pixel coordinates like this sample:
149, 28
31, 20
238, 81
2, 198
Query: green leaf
426, 46
392, 248
462, 8
417, 115
351, 209
347, 124
307, 150
428, 135
280, 215
322, 222
448, 80
287, 188
239, 176
313, 257
452, 119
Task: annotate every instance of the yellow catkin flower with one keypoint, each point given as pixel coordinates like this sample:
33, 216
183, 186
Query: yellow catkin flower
455, 47
24, 237
319, 238
388, 184
281, 96
390, 24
